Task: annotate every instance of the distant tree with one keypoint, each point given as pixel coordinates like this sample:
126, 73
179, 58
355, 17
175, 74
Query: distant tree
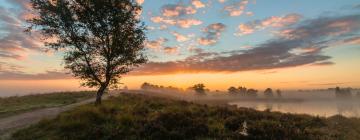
145, 86
278, 92
233, 90
125, 88
268, 92
199, 88
242, 90
102, 39
251, 92
343, 93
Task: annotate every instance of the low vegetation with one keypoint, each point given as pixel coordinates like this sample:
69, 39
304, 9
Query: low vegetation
19, 104
131, 116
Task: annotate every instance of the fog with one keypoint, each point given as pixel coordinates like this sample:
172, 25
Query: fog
317, 103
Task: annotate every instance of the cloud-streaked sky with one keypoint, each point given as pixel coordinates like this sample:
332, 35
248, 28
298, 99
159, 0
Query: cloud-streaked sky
287, 44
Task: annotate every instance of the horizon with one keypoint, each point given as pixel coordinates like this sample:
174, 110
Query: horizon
287, 45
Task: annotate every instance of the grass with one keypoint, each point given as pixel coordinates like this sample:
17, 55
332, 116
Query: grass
132, 116
20, 104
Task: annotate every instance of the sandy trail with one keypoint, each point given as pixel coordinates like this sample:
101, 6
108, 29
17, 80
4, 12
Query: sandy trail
13, 123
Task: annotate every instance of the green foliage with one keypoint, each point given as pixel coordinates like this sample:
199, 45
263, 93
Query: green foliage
142, 117
19, 104
101, 39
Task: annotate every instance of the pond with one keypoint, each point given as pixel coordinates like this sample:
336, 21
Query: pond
313, 103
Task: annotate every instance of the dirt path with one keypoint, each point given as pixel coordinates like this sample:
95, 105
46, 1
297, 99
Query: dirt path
13, 123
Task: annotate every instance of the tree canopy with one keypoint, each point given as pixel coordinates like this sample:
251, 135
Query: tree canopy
101, 39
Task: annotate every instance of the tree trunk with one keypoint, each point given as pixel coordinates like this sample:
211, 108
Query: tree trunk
99, 94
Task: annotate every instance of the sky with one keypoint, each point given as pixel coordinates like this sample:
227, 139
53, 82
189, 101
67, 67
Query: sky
286, 44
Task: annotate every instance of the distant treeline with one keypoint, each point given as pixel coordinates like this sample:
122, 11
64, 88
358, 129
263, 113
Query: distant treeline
148, 86
344, 92
202, 90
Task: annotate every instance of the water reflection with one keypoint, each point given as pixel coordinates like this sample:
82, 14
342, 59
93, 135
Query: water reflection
329, 107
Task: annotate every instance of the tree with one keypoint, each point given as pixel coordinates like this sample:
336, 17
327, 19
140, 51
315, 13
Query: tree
251, 92
242, 90
268, 92
233, 90
101, 39
278, 92
146, 86
199, 88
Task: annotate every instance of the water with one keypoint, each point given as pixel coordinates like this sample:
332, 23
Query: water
314, 103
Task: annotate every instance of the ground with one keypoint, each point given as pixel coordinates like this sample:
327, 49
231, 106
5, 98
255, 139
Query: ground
139, 116
19, 104
18, 112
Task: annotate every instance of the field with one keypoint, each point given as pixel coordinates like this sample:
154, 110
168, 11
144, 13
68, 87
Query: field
20, 104
135, 116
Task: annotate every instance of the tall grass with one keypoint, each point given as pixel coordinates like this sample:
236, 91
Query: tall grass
142, 117
19, 104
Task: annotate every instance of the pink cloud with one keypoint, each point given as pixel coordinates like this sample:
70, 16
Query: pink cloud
156, 44
221, 1
140, 2
181, 38
236, 9
182, 23
198, 4
187, 23
177, 10
274, 21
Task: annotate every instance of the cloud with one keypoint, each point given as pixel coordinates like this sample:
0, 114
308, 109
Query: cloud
177, 10
159, 19
156, 44
353, 40
310, 36
182, 23
326, 63
325, 27
6, 67
181, 38
274, 21
48, 75
159, 46
236, 9
187, 23
197, 3
14, 43
212, 34
175, 15
221, 1
140, 2
171, 50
